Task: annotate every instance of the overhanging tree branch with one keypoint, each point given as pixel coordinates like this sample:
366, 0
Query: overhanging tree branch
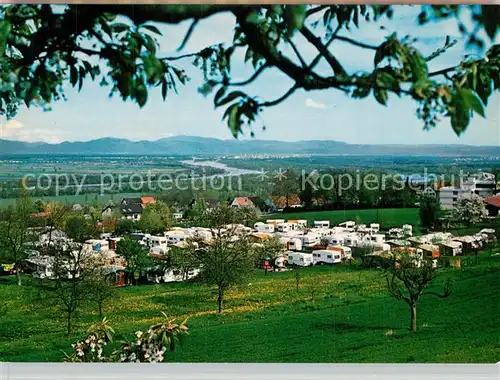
357, 43
281, 98
323, 50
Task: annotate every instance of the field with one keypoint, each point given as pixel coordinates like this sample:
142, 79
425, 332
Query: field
340, 314
388, 218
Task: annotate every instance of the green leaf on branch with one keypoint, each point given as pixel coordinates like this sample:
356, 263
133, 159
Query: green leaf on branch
233, 115
219, 94
459, 114
152, 28
232, 96
418, 66
141, 94
5, 28
295, 16
119, 27
381, 96
73, 75
470, 100
164, 88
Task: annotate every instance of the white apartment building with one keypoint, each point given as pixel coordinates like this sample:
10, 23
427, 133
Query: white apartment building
482, 184
449, 196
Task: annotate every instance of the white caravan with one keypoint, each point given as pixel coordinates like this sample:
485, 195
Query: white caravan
375, 227
286, 227
264, 227
175, 236
335, 240
155, 241
348, 224
172, 275
325, 256
345, 252
351, 240
275, 221
302, 223
408, 229
376, 238
294, 244
300, 259
310, 240
321, 224
159, 250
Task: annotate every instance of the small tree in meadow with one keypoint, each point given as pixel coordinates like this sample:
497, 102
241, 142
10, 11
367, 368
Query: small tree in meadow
407, 280
469, 210
227, 258
135, 255
70, 284
15, 234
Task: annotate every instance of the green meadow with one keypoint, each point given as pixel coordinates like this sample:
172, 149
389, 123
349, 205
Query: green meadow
338, 314
387, 217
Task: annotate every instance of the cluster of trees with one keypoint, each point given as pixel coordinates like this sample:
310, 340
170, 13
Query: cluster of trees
345, 189
469, 211
155, 219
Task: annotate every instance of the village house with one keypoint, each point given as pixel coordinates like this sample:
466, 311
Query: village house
493, 205
281, 202
264, 205
241, 202
131, 211
129, 208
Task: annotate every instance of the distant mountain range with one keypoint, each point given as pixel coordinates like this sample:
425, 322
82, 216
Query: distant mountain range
192, 146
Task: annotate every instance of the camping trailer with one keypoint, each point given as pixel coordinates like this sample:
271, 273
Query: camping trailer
325, 256
159, 250
348, 224
264, 227
310, 240
300, 259
286, 227
275, 221
154, 241
294, 244
408, 229
175, 236
335, 240
345, 252
321, 224
450, 248
301, 223
375, 227
351, 240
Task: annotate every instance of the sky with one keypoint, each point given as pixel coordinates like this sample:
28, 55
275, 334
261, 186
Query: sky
317, 115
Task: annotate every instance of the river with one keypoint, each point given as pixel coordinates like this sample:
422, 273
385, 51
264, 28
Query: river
230, 171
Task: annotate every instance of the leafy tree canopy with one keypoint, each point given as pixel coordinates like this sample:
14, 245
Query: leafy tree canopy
42, 47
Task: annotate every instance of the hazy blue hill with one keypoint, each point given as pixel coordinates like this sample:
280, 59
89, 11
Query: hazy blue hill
192, 145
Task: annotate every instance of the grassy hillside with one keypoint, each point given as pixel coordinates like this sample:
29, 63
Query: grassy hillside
339, 314
387, 217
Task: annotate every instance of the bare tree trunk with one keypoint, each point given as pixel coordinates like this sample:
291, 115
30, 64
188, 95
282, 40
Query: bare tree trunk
413, 326
18, 276
69, 324
220, 300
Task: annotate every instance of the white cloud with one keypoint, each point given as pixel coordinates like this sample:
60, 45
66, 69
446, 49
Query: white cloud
312, 104
15, 130
13, 124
